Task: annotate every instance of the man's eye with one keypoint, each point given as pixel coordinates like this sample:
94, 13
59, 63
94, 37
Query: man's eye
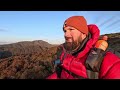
71, 29
64, 30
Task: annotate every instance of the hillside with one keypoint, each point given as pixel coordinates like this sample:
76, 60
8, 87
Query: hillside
26, 60
23, 48
29, 66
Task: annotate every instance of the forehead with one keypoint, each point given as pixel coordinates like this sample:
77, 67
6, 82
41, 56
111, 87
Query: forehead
69, 27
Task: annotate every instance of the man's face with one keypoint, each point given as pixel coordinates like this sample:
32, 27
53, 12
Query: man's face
73, 38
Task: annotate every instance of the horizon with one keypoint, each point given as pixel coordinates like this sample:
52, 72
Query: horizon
17, 26
5, 43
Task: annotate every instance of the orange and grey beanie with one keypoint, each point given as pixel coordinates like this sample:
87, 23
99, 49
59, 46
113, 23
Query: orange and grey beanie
77, 22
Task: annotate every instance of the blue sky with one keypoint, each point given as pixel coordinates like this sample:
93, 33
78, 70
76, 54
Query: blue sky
18, 26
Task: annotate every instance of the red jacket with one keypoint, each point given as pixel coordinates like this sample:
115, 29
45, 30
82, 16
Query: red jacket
110, 67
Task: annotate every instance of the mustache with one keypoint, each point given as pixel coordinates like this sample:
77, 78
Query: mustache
66, 38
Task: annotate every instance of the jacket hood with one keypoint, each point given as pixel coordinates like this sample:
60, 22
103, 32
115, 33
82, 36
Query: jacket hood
95, 33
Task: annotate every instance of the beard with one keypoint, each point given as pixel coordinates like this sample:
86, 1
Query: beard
72, 46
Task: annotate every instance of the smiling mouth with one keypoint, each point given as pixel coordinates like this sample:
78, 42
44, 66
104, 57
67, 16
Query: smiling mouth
67, 38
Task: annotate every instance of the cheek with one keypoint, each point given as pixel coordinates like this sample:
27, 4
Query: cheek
75, 36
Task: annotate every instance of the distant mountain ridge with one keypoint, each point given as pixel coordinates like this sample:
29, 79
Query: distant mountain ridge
24, 47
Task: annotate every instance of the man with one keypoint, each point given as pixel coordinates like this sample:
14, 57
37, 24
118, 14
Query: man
80, 38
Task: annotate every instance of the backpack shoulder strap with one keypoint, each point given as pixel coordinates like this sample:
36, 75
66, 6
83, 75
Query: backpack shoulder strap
92, 75
93, 63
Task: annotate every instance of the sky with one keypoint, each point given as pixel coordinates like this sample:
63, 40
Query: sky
18, 26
